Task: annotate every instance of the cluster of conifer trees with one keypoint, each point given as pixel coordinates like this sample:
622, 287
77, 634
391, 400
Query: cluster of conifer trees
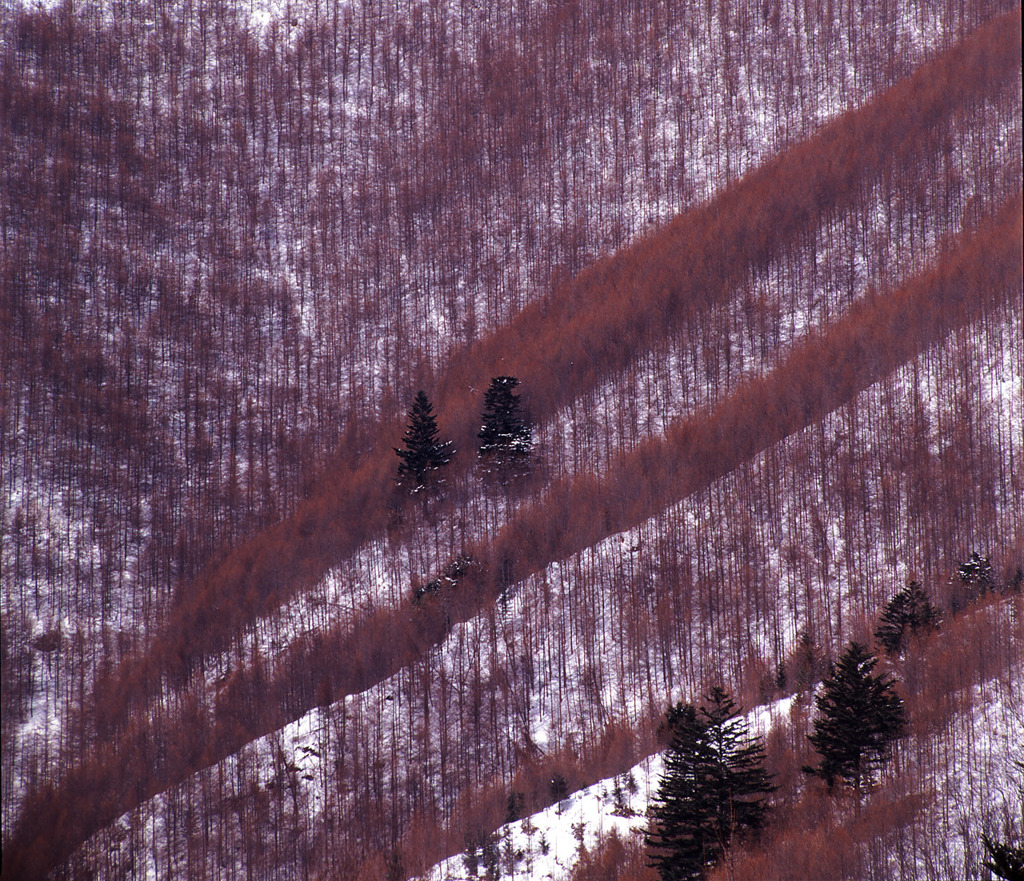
715, 784
505, 442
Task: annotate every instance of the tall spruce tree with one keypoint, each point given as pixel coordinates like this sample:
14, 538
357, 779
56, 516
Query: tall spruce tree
714, 785
504, 436
910, 611
423, 453
859, 717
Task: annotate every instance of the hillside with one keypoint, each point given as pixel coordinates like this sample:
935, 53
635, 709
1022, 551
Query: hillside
758, 270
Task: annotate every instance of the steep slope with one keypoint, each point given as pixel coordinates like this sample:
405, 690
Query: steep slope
956, 778
597, 327
219, 664
708, 614
251, 231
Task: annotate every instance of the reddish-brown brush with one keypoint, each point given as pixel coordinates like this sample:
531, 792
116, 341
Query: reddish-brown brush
593, 328
877, 335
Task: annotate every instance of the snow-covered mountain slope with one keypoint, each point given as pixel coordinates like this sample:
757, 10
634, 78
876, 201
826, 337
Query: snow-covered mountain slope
344, 196
546, 846
976, 787
607, 638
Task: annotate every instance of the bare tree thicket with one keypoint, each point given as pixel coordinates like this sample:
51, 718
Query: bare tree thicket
232, 254
600, 638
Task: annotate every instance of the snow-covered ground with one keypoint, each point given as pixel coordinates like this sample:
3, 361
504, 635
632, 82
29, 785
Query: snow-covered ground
546, 845
577, 646
980, 788
681, 375
380, 575
850, 253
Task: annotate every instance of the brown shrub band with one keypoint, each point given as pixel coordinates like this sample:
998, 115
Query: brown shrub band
877, 335
565, 345
596, 326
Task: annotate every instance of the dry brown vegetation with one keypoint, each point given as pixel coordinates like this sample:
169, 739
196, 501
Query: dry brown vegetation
197, 260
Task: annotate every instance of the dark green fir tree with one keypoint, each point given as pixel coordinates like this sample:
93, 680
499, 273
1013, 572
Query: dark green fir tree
714, 786
909, 612
504, 436
1003, 859
423, 453
860, 716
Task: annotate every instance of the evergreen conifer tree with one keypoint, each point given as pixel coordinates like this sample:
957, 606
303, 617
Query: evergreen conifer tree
504, 436
713, 786
860, 716
682, 807
1003, 859
976, 575
909, 611
423, 452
